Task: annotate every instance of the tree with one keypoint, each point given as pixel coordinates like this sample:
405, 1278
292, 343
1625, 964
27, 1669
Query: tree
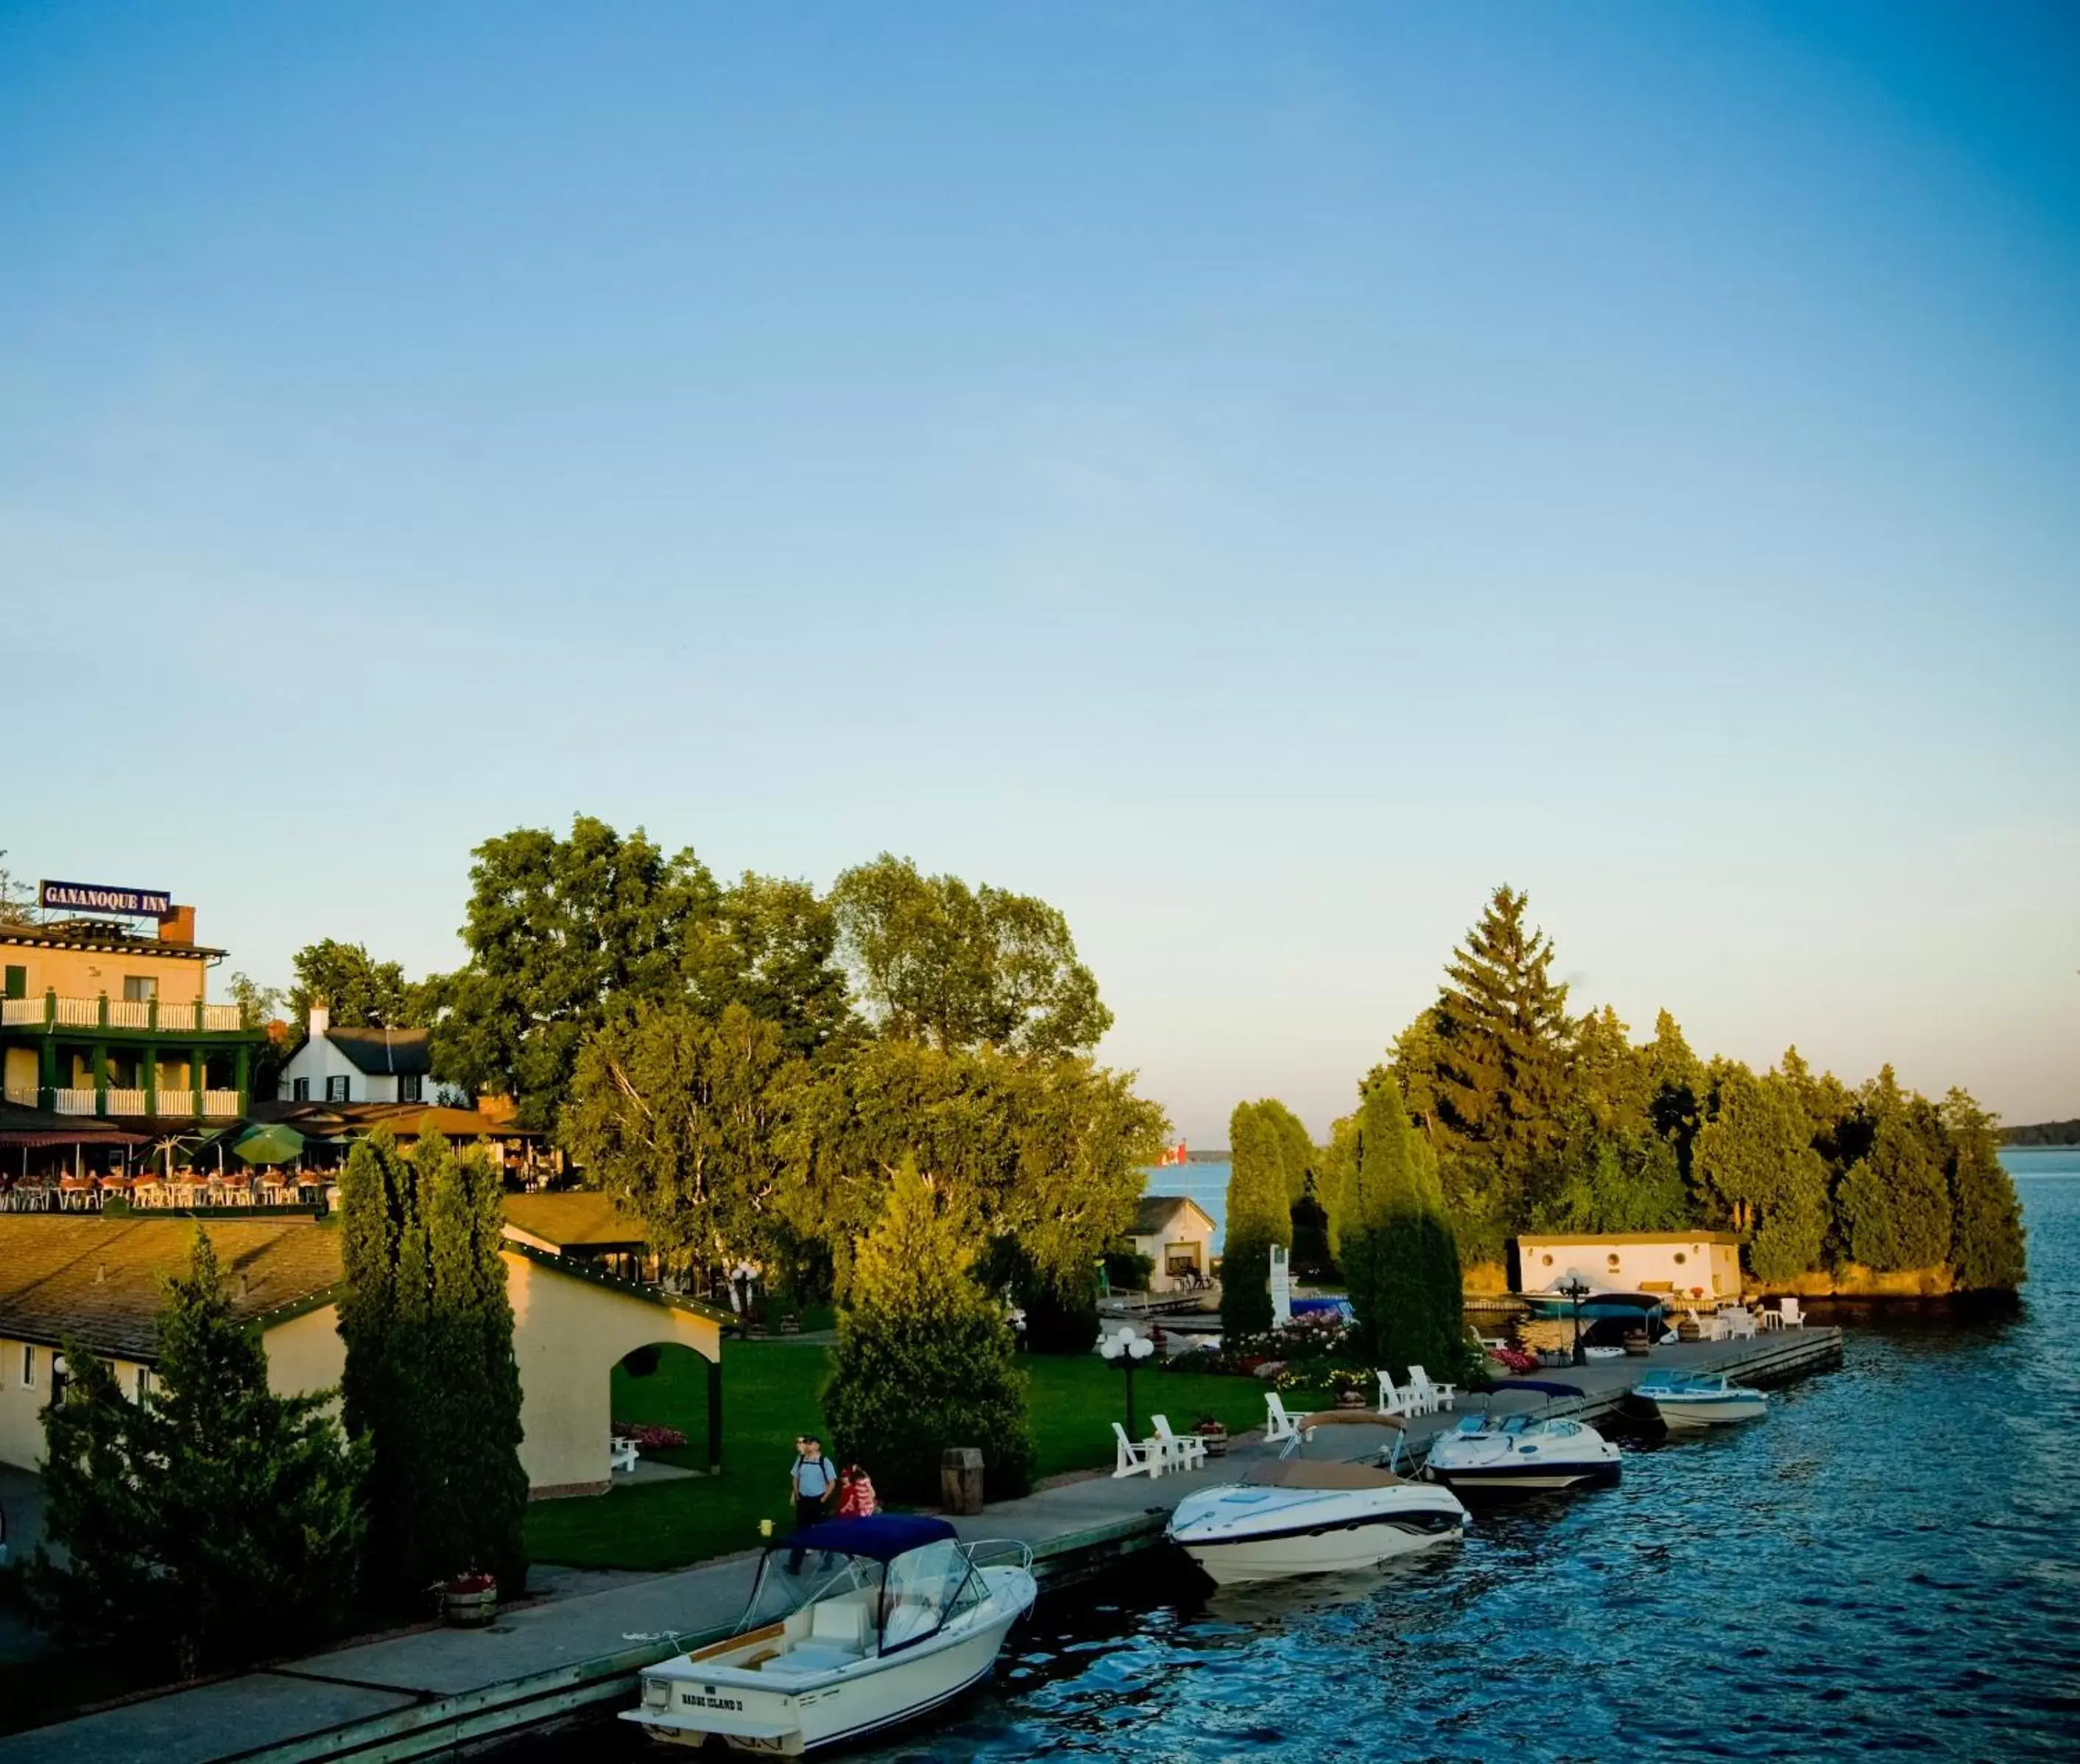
430, 1383
1619, 1181
924, 1359
1296, 1150
1258, 1216
771, 948
677, 1116
1399, 1258
1337, 1175
359, 992
557, 929
211, 1517
937, 961
1673, 1077
1754, 1159
1987, 1251
1497, 1052
1893, 1205
1610, 1080
1046, 1153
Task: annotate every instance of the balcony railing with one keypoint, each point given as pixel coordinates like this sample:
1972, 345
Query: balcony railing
189, 1018
73, 1102
223, 1104
22, 1096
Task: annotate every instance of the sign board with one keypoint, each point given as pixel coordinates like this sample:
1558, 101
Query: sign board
1281, 1287
100, 897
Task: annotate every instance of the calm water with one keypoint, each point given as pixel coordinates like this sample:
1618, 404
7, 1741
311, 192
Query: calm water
1888, 1563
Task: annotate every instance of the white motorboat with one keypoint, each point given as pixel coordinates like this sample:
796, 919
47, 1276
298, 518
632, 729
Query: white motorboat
1504, 1454
908, 1621
1294, 1515
1707, 1399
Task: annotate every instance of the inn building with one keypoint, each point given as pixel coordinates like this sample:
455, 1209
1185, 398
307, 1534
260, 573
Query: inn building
100, 1019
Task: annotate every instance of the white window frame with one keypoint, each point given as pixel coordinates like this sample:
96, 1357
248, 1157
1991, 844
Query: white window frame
140, 1382
28, 1365
339, 1088
299, 1090
411, 1088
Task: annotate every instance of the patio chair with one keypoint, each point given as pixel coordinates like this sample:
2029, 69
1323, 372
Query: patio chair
1788, 1315
1133, 1459
621, 1455
1394, 1401
1740, 1323
1434, 1396
1278, 1425
1181, 1451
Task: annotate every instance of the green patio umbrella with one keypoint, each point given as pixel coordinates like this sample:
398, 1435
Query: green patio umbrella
272, 1143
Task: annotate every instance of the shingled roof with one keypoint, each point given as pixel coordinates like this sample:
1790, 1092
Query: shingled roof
574, 1219
1155, 1211
381, 1052
99, 1281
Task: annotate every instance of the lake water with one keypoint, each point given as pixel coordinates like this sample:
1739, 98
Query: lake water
1206, 1183
1888, 1563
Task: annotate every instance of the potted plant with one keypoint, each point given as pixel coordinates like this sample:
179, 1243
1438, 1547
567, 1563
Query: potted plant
469, 1601
1212, 1432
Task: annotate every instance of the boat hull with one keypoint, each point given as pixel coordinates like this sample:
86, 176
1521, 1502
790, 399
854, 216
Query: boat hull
1528, 1479
815, 1711
1695, 1414
1343, 1546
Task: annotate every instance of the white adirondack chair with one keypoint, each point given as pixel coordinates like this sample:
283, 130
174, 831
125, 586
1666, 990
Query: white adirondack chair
621, 1455
1181, 1451
1788, 1315
1278, 1425
1133, 1459
1394, 1401
1434, 1396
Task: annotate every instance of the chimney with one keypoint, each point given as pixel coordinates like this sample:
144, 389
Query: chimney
178, 926
321, 1019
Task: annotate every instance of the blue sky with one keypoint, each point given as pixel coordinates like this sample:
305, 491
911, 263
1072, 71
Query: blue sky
1256, 475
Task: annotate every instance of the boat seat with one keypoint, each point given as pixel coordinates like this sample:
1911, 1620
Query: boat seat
839, 1623
809, 1659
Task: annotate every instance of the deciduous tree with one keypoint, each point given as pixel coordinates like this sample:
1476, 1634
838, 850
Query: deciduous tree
1753, 1158
935, 960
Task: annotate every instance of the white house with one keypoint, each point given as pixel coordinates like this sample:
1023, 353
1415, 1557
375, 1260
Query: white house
358, 1066
1700, 1266
1177, 1235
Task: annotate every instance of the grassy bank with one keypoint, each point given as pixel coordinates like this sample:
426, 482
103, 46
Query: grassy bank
770, 1394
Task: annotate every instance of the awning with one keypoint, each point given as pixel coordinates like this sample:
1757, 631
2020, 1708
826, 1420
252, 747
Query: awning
96, 1136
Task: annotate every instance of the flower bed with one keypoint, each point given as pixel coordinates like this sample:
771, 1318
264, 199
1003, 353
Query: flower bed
647, 1436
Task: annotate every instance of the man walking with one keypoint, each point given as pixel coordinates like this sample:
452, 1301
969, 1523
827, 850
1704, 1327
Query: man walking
813, 1479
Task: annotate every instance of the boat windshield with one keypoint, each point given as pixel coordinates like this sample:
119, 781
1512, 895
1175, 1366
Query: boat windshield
779, 1594
924, 1591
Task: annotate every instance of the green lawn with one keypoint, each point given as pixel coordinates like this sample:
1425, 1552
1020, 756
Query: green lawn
770, 1394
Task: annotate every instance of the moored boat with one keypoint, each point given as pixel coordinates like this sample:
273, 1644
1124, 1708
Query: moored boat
1295, 1516
1505, 1454
1696, 1400
908, 1619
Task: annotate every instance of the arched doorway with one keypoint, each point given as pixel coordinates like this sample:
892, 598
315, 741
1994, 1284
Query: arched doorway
668, 1387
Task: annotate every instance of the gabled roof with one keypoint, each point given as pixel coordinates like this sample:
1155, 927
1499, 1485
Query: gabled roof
98, 1281
574, 1219
1156, 1211
384, 1052
407, 1120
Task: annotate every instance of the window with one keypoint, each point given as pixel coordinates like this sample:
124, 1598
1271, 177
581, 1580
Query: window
1545, 1261
336, 1091
142, 1382
17, 982
1612, 1259
140, 988
28, 1366
1680, 1259
408, 1087
299, 1090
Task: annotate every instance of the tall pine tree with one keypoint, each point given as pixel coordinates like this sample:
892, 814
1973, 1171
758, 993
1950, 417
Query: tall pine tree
1987, 1244
1258, 1216
211, 1518
1499, 1049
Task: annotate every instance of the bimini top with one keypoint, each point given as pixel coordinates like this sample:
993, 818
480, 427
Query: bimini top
879, 1538
1550, 1387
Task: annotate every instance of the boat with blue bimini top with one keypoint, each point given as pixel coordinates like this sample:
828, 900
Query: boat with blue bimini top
1695, 1400
907, 1618
1297, 1516
1495, 1454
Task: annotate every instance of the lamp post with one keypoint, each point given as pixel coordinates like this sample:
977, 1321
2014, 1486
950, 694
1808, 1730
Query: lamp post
1577, 1289
1124, 1349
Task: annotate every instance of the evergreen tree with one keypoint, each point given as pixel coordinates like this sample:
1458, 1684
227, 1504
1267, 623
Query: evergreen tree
925, 1360
1754, 1159
1296, 1150
1499, 1077
1893, 1206
1338, 1174
1674, 1082
212, 1517
1986, 1244
431, 1381
1258, 1216
1400, 1260
469, 1347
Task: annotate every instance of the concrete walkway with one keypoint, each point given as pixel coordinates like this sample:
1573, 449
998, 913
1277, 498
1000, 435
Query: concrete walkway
584, 1641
